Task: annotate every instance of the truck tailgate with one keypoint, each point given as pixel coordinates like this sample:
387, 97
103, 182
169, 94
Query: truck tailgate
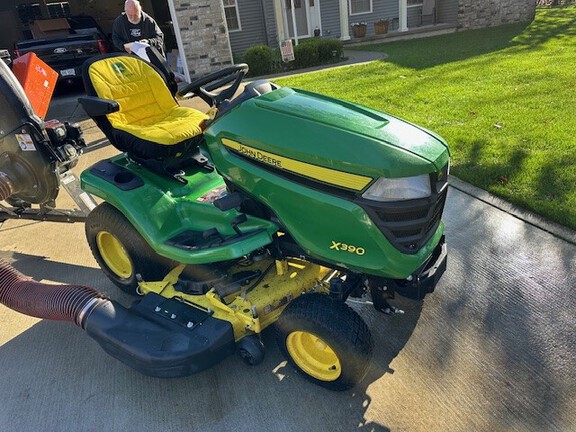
64, 55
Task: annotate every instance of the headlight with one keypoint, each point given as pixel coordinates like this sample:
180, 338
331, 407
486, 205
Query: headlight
399, 189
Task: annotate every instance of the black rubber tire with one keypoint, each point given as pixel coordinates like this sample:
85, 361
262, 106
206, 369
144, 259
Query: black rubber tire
251, 350
105, 219
336, 325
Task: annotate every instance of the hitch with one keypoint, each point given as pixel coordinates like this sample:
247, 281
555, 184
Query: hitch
423, 281
380, 295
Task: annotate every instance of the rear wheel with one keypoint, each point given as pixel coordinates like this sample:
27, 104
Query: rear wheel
325, 340
121, 251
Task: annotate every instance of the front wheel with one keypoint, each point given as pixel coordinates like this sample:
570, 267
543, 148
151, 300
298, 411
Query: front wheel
325, 340
121, 251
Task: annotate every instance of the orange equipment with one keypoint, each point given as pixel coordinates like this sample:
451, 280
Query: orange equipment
38, 80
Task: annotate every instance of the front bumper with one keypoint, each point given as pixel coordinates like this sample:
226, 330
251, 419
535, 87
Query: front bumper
423, 281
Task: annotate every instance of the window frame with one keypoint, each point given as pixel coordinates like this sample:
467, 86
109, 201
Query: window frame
235, 6
415, 3
62, 6
360, 13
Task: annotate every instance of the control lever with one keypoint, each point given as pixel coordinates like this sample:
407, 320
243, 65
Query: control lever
241, 218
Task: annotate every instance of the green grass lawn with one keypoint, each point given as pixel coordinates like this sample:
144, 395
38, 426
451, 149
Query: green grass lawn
502, 98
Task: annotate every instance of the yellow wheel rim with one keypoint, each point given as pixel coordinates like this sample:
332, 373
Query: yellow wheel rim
313, 356
114, 255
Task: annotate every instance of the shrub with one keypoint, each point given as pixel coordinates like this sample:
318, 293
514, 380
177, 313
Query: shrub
329, 50
314, 51
260, 59
306, 55
264, 60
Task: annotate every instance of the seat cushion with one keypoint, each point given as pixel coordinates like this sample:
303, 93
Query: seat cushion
177, 125
147, 108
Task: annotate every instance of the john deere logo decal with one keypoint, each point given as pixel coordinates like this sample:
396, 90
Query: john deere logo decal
323, 174
119, 69
260, 156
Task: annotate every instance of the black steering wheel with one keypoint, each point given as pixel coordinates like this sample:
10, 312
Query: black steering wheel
205, 86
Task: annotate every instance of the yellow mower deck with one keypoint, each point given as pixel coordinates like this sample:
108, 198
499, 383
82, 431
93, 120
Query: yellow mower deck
250, 310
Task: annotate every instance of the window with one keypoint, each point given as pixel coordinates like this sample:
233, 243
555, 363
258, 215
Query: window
414, 3
28, 12
232, 17
360, 6
58, 9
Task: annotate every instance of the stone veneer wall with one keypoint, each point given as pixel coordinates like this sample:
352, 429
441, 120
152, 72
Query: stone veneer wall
204, 35
473, 14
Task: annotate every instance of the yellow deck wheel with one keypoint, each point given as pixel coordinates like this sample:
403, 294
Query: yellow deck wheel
313, 356
114, 254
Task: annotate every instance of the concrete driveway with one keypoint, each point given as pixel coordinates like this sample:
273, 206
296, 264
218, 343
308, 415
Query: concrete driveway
493, 349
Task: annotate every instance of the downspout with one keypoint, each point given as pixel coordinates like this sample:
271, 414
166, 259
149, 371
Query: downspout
294, 28
179, 41
280, 31
403, 15
344, 25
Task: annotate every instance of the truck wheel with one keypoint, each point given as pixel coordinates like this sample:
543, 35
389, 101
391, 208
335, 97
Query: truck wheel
325, 340
121, 251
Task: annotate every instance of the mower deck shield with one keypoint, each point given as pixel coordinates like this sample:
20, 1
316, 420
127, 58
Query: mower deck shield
161, 337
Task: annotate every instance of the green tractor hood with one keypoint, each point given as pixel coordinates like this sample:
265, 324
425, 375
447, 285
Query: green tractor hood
309, 158
294, 125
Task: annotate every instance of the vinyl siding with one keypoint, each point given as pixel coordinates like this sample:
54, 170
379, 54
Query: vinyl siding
330, 15
259, 27
253, 25
447, 12
270, 23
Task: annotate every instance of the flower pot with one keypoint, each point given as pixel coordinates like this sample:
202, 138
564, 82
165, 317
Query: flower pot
381, 27
359, 31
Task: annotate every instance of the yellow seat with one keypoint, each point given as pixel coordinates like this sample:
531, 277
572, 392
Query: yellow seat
148, 122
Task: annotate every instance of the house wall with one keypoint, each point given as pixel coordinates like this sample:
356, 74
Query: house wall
490, 13
204, 35
269, 17
447, 11
381, 9
258, 21
254, 26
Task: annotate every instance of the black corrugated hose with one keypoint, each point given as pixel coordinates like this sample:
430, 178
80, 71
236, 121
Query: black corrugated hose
73, 303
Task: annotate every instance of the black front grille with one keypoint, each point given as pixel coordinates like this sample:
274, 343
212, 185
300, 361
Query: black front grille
408, 225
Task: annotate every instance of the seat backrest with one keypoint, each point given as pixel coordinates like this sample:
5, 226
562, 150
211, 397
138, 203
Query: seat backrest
135, 84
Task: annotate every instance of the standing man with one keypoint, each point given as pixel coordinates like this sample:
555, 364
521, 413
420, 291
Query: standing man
135, 25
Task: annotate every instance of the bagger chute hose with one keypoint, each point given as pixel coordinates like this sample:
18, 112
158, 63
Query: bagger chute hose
72, 303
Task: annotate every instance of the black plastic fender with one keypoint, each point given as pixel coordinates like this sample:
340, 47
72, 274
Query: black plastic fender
161, 337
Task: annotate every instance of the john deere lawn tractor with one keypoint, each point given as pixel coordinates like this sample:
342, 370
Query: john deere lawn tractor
274, 208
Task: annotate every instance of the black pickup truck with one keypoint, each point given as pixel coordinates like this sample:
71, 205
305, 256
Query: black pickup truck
66, 53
